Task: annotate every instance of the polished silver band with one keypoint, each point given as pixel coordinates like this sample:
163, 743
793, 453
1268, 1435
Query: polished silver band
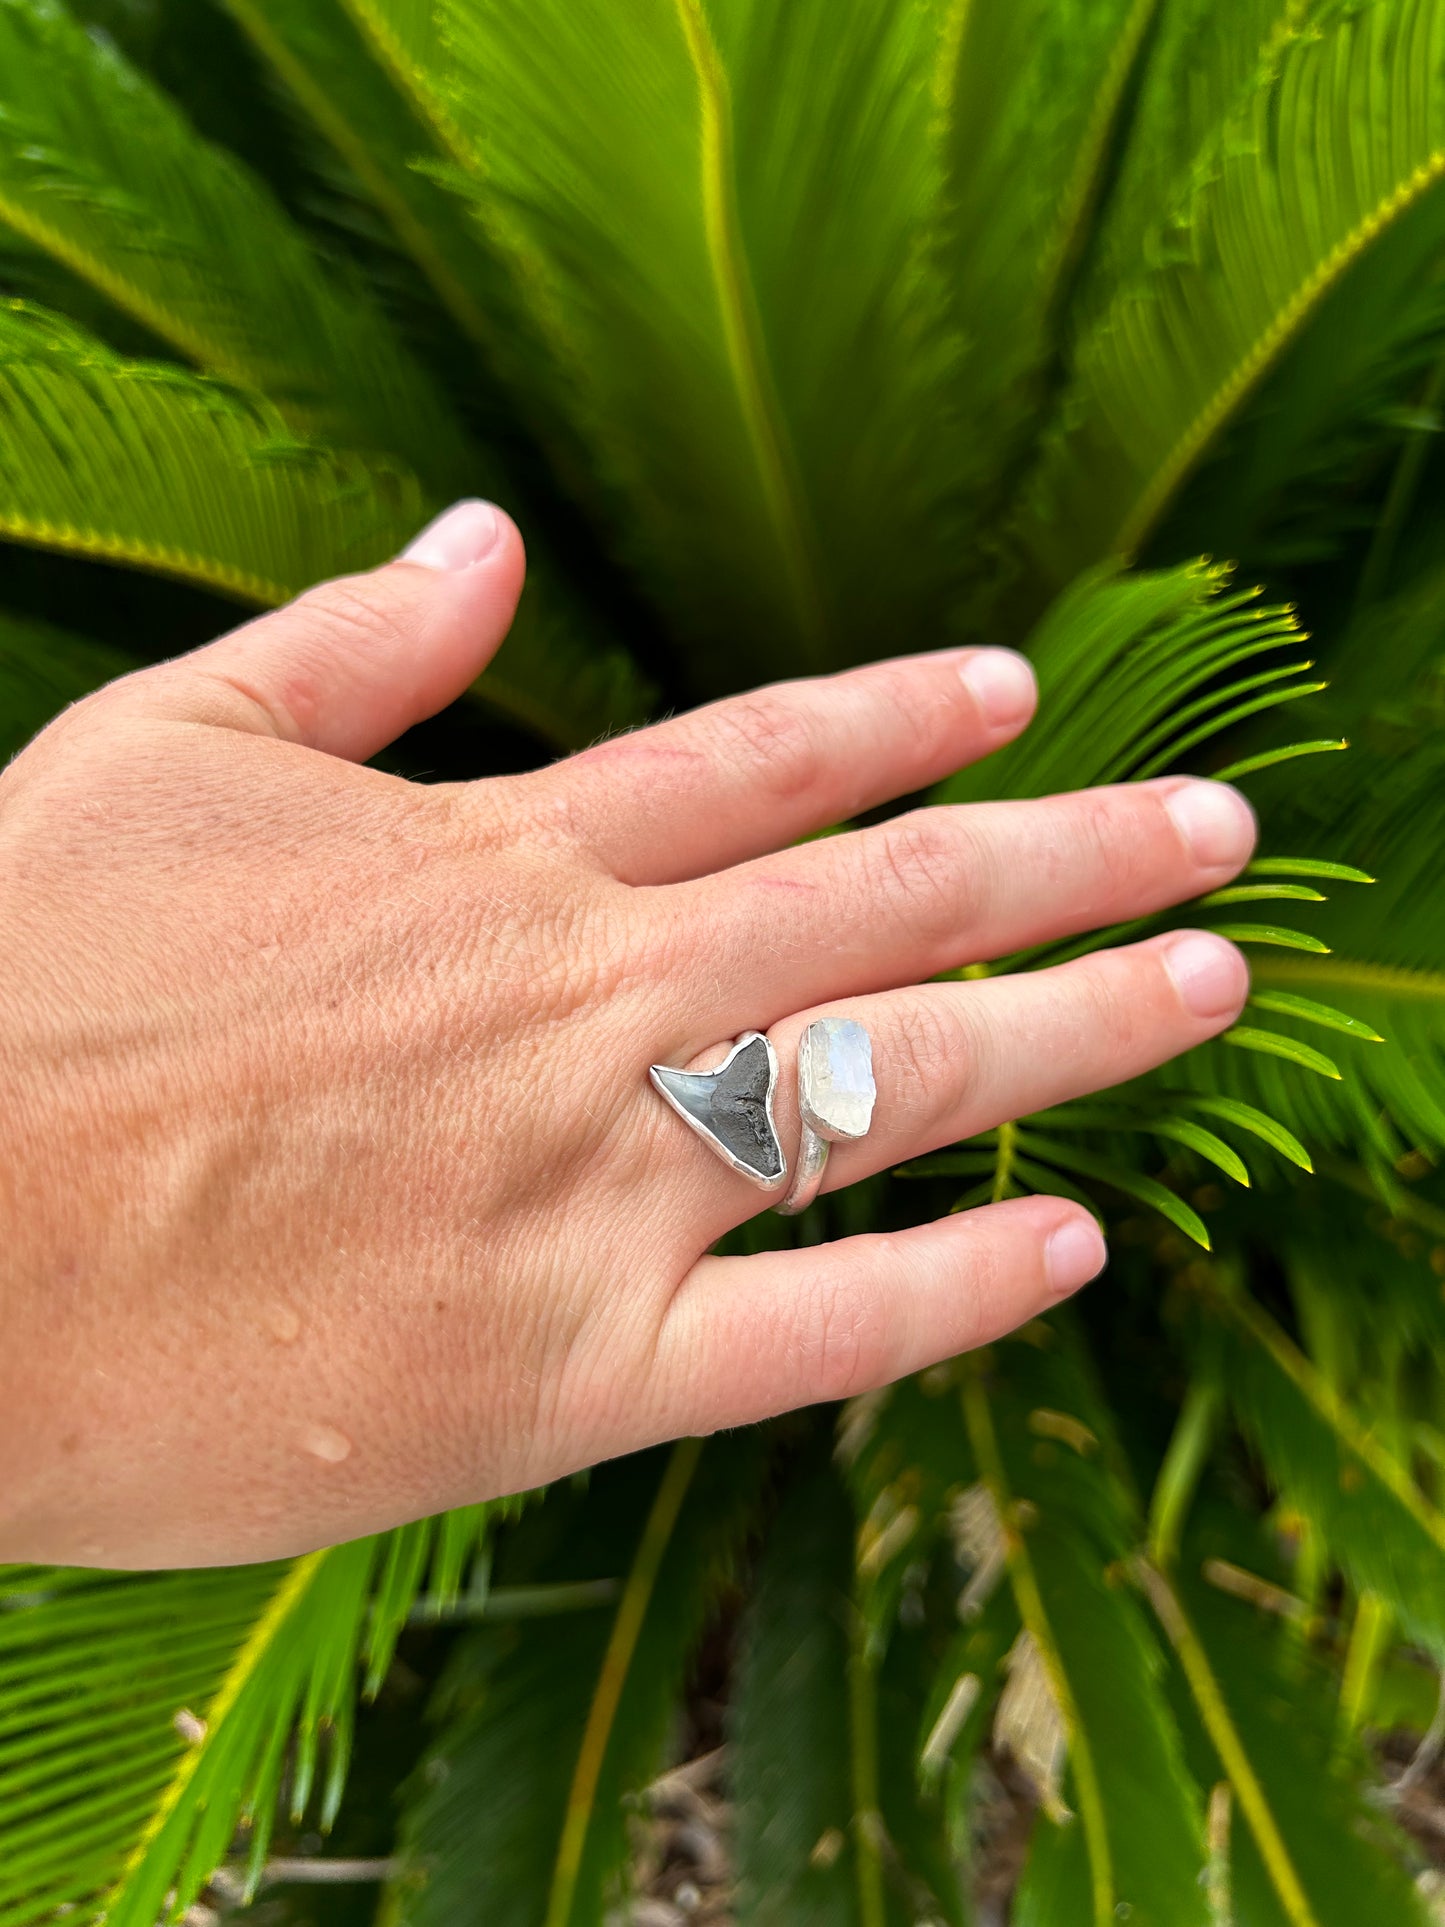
807, 1173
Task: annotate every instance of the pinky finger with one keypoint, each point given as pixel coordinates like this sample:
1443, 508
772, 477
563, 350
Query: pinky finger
746, 1338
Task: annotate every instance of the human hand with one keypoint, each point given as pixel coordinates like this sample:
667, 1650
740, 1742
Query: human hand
333, 1190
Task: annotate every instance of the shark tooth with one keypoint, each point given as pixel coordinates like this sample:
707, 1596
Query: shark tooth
731, 1108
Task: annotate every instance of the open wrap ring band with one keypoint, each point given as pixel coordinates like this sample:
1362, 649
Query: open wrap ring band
731, 1108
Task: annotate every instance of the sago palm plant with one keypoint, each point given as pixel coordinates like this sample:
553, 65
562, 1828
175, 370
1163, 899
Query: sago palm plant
796, 332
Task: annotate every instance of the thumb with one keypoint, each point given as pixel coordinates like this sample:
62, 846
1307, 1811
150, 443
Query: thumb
351, 664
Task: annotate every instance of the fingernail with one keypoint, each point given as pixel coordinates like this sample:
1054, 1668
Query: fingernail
1002, 684
1215, 821
1075, 1254
1209, 973
460, 536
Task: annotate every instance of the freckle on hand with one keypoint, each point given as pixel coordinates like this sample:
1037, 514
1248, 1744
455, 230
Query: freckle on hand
282, 1323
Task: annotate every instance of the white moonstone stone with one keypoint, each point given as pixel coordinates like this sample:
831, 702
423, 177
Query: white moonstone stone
835, 1078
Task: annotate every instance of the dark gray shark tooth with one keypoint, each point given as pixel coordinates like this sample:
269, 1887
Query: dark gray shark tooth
731, 1108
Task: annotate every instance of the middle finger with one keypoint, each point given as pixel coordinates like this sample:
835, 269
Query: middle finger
966, 883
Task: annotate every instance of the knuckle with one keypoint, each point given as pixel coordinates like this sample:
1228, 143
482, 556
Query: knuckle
773, 737
984, 1284
846, 1342
663, 946
214, 690
481, 820
610, 952
96, 711
1110, 1010
351, 617
915, 870
1115, 833
930, 1045
85, 741
350, 609
547, 809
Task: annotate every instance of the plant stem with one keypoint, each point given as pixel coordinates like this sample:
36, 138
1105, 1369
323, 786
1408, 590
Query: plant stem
1369, 1637
1399, 495
519, 1602
1227, 1744
1179, 1475
863, 1740
1216, 1871
230, 1884
621, 1647
1397, 1198
1428, 1751
984, 1439
1003, 1164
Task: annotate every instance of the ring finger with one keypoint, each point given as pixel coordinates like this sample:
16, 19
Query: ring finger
951, 1060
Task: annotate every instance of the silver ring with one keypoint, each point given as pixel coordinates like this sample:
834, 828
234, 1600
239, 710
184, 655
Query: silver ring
836, 1094
731, 1108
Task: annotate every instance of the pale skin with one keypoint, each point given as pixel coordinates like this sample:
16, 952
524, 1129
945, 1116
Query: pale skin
333, 1191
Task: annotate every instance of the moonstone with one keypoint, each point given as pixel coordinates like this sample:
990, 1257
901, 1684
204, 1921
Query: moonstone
835, 1078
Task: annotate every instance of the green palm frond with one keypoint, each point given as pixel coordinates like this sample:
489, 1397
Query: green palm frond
1196, 1755
101, 172
555, 677
103, 1685
1318, 451
1033, 1155
1202, 64
903, 1453
793, 1746
928, 1560
143, 464
835, 1823
664, 281
319, 53
516, 1817
1336, 1468
99, 169
293, 1675
1135, 671
211, 1694
182, 475
561, 675
1296, 1843
844, 1814
1255, 225
960, 1714
1380, 805
1024, 165
408, 40
1040, 1435
429, 155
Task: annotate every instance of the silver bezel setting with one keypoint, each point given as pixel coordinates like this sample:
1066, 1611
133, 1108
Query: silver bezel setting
715, 1144
816, 1137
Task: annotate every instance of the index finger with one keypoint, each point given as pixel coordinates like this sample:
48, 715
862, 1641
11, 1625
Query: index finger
756, 772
